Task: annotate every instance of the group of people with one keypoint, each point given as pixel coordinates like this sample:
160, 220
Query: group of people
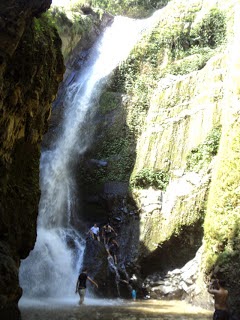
112, 248
82, 280
107, 234
216, 288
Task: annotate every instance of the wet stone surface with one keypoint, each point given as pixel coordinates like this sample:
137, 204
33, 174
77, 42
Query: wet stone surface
139, 310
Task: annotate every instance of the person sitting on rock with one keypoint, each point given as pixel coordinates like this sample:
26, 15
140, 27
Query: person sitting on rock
107, 233
94, 231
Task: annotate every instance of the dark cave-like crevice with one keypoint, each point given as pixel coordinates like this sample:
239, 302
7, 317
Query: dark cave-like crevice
175, 252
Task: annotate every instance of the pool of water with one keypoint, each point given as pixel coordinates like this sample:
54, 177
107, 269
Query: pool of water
101, 309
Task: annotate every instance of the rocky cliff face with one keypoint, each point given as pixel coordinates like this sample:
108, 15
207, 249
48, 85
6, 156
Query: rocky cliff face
31, 68
169, 132
164, 165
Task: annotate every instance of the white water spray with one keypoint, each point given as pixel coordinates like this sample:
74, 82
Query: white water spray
52, 267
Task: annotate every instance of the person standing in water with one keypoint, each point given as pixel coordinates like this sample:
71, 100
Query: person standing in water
132, 285
81, 285
220, 300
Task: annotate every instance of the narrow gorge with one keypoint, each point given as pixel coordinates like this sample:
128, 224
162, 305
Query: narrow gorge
134, 122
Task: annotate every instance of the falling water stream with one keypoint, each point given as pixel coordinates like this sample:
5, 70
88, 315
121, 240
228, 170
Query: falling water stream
52, 267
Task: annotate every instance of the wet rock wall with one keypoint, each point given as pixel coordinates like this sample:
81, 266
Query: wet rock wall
31, 68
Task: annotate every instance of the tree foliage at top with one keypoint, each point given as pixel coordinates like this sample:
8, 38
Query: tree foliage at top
131, 8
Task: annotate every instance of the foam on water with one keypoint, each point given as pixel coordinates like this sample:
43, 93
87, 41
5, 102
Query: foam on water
55, 303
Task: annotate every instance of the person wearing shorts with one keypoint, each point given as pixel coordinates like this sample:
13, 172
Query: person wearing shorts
94, 231
107, 233
81, 285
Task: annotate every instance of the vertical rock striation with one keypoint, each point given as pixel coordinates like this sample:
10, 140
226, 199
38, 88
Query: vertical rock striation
167, 110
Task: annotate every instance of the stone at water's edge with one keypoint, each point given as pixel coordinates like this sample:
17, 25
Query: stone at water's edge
139, 310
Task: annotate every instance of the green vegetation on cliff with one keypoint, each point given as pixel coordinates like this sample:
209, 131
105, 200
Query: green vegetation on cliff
117, 153
155, 114
176, 46
73, 23
202, 155
222, 224
130, 8
146, 178
172, 47
181, 39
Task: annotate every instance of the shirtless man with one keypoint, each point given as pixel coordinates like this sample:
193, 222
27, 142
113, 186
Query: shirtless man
220, 300
107, 232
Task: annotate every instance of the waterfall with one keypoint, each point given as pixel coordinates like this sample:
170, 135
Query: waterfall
52, 267
114, 269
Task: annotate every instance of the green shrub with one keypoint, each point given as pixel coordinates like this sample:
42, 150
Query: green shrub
203, 154
59, 17
119, 152
131, 8
183, 42
77, 24
187, 65
146, 178
211, 32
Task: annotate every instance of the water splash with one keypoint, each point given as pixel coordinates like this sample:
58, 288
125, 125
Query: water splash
52, 267
44, 274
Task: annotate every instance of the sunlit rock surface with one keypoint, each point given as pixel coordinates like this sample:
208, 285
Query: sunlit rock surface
193, 95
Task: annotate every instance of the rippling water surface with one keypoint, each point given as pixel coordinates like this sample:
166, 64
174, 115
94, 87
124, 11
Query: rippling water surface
111, 310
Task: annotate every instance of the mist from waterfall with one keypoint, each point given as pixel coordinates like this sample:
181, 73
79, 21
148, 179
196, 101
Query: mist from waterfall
52, 267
